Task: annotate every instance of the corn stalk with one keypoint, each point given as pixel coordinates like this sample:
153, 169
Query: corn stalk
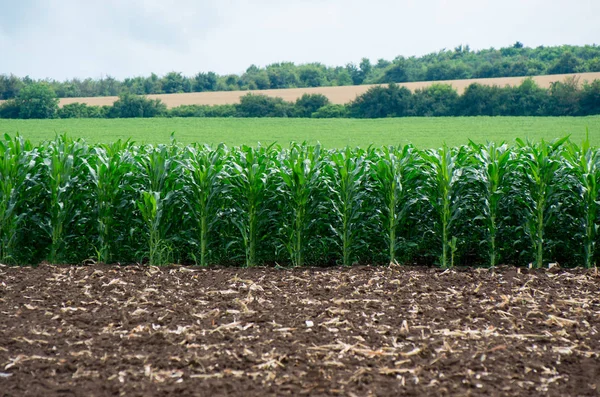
347, 172
108, 167
299, 171
66, 179
158, 169
19, 178
248, 176
206, 189
491, 168
443, 173
584, 163
539, 164
394, 171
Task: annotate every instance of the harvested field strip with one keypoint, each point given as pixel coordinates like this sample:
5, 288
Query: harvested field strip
345, 331
339, 95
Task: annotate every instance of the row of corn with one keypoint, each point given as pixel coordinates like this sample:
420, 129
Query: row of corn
66, 201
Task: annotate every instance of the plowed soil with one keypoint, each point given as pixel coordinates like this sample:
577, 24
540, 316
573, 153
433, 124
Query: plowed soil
135, 330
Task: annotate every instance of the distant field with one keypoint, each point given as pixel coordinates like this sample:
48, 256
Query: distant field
422, 132
339, 95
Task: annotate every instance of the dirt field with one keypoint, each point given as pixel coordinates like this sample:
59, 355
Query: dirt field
100, 330
339, 95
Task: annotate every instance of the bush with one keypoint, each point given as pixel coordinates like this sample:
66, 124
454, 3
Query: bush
252, 105
480, 100
37, 101
590, 98
391, 101
306, 105
188, 111
9, 110
130, 105
331, 111
81, 110
221, 111
564, 98
528, 99
435, 100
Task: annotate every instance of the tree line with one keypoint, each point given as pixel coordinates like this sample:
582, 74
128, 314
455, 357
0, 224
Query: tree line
566, 98
458, 63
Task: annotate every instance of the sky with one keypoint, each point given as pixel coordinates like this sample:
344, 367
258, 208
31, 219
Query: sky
63, 39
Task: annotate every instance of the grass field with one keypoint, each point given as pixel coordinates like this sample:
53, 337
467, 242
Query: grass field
422, 132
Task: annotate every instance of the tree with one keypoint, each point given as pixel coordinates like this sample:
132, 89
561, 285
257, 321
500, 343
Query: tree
528, 99
252, 105
37, 101
306, 105
229, 83
448, 70
9, 110
391, 101
479, 100
360, 74
567, 63
590, 98
130, 105
435, 100
10, 86
282, 75
593, 65
311, 75
343, 77
173, 83
108, 86
255, 79
564, 98
205, 82
396, 73
152, 85
365, 68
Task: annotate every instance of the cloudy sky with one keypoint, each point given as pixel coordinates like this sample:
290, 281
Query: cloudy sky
62, 39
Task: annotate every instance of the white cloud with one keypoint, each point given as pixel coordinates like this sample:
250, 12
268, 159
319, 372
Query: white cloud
72, 38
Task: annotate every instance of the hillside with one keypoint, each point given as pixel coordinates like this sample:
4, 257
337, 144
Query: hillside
338, 95
447, 64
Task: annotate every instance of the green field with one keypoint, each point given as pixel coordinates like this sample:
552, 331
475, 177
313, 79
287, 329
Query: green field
423, 132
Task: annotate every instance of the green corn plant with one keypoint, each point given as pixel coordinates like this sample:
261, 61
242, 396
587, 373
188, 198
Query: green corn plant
299, 171
152, 208
540, 195
584, 165
490, 169
158, 171
63, 200
205, 168
66, 181
443, 170
108, 167
394, 170
347, 178
248, 177
19, 179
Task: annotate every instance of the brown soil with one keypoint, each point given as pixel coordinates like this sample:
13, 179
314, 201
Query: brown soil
340, 95
100, 330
